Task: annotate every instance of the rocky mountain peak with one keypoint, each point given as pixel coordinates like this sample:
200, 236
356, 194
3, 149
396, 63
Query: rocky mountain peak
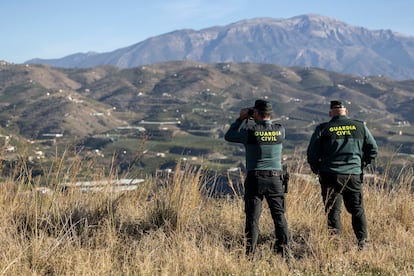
317, 40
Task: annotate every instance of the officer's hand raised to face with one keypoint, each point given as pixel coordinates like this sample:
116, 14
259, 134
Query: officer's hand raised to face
244, 113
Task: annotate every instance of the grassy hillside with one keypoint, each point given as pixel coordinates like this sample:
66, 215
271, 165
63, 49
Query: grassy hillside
168, 226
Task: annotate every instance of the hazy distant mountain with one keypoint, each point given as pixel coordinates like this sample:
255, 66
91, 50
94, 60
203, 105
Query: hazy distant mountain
306, 40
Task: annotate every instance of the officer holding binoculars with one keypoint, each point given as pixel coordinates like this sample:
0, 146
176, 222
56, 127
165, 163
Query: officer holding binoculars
263, 142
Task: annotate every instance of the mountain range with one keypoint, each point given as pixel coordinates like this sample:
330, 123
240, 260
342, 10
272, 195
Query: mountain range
307, 40
198, 98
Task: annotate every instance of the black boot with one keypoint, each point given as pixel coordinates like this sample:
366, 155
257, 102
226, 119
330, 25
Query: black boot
362, 244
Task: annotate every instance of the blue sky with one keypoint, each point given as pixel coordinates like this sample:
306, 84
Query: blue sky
54, 29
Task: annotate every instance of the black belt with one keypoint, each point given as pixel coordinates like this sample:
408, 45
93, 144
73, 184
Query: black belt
265, 173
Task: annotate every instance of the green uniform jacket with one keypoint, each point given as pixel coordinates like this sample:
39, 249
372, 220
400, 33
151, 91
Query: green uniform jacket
262, 141
342, 146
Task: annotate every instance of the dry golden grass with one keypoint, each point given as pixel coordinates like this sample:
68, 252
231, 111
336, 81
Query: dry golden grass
171, 228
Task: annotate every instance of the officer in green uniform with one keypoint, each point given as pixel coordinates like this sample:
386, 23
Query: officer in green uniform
263, 143
338, 151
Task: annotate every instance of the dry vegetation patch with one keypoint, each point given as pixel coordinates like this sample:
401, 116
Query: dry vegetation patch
170, 227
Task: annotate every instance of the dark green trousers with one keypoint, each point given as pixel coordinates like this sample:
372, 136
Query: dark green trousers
347, 188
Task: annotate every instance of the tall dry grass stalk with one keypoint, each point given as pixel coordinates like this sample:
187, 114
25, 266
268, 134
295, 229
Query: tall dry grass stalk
170, 227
